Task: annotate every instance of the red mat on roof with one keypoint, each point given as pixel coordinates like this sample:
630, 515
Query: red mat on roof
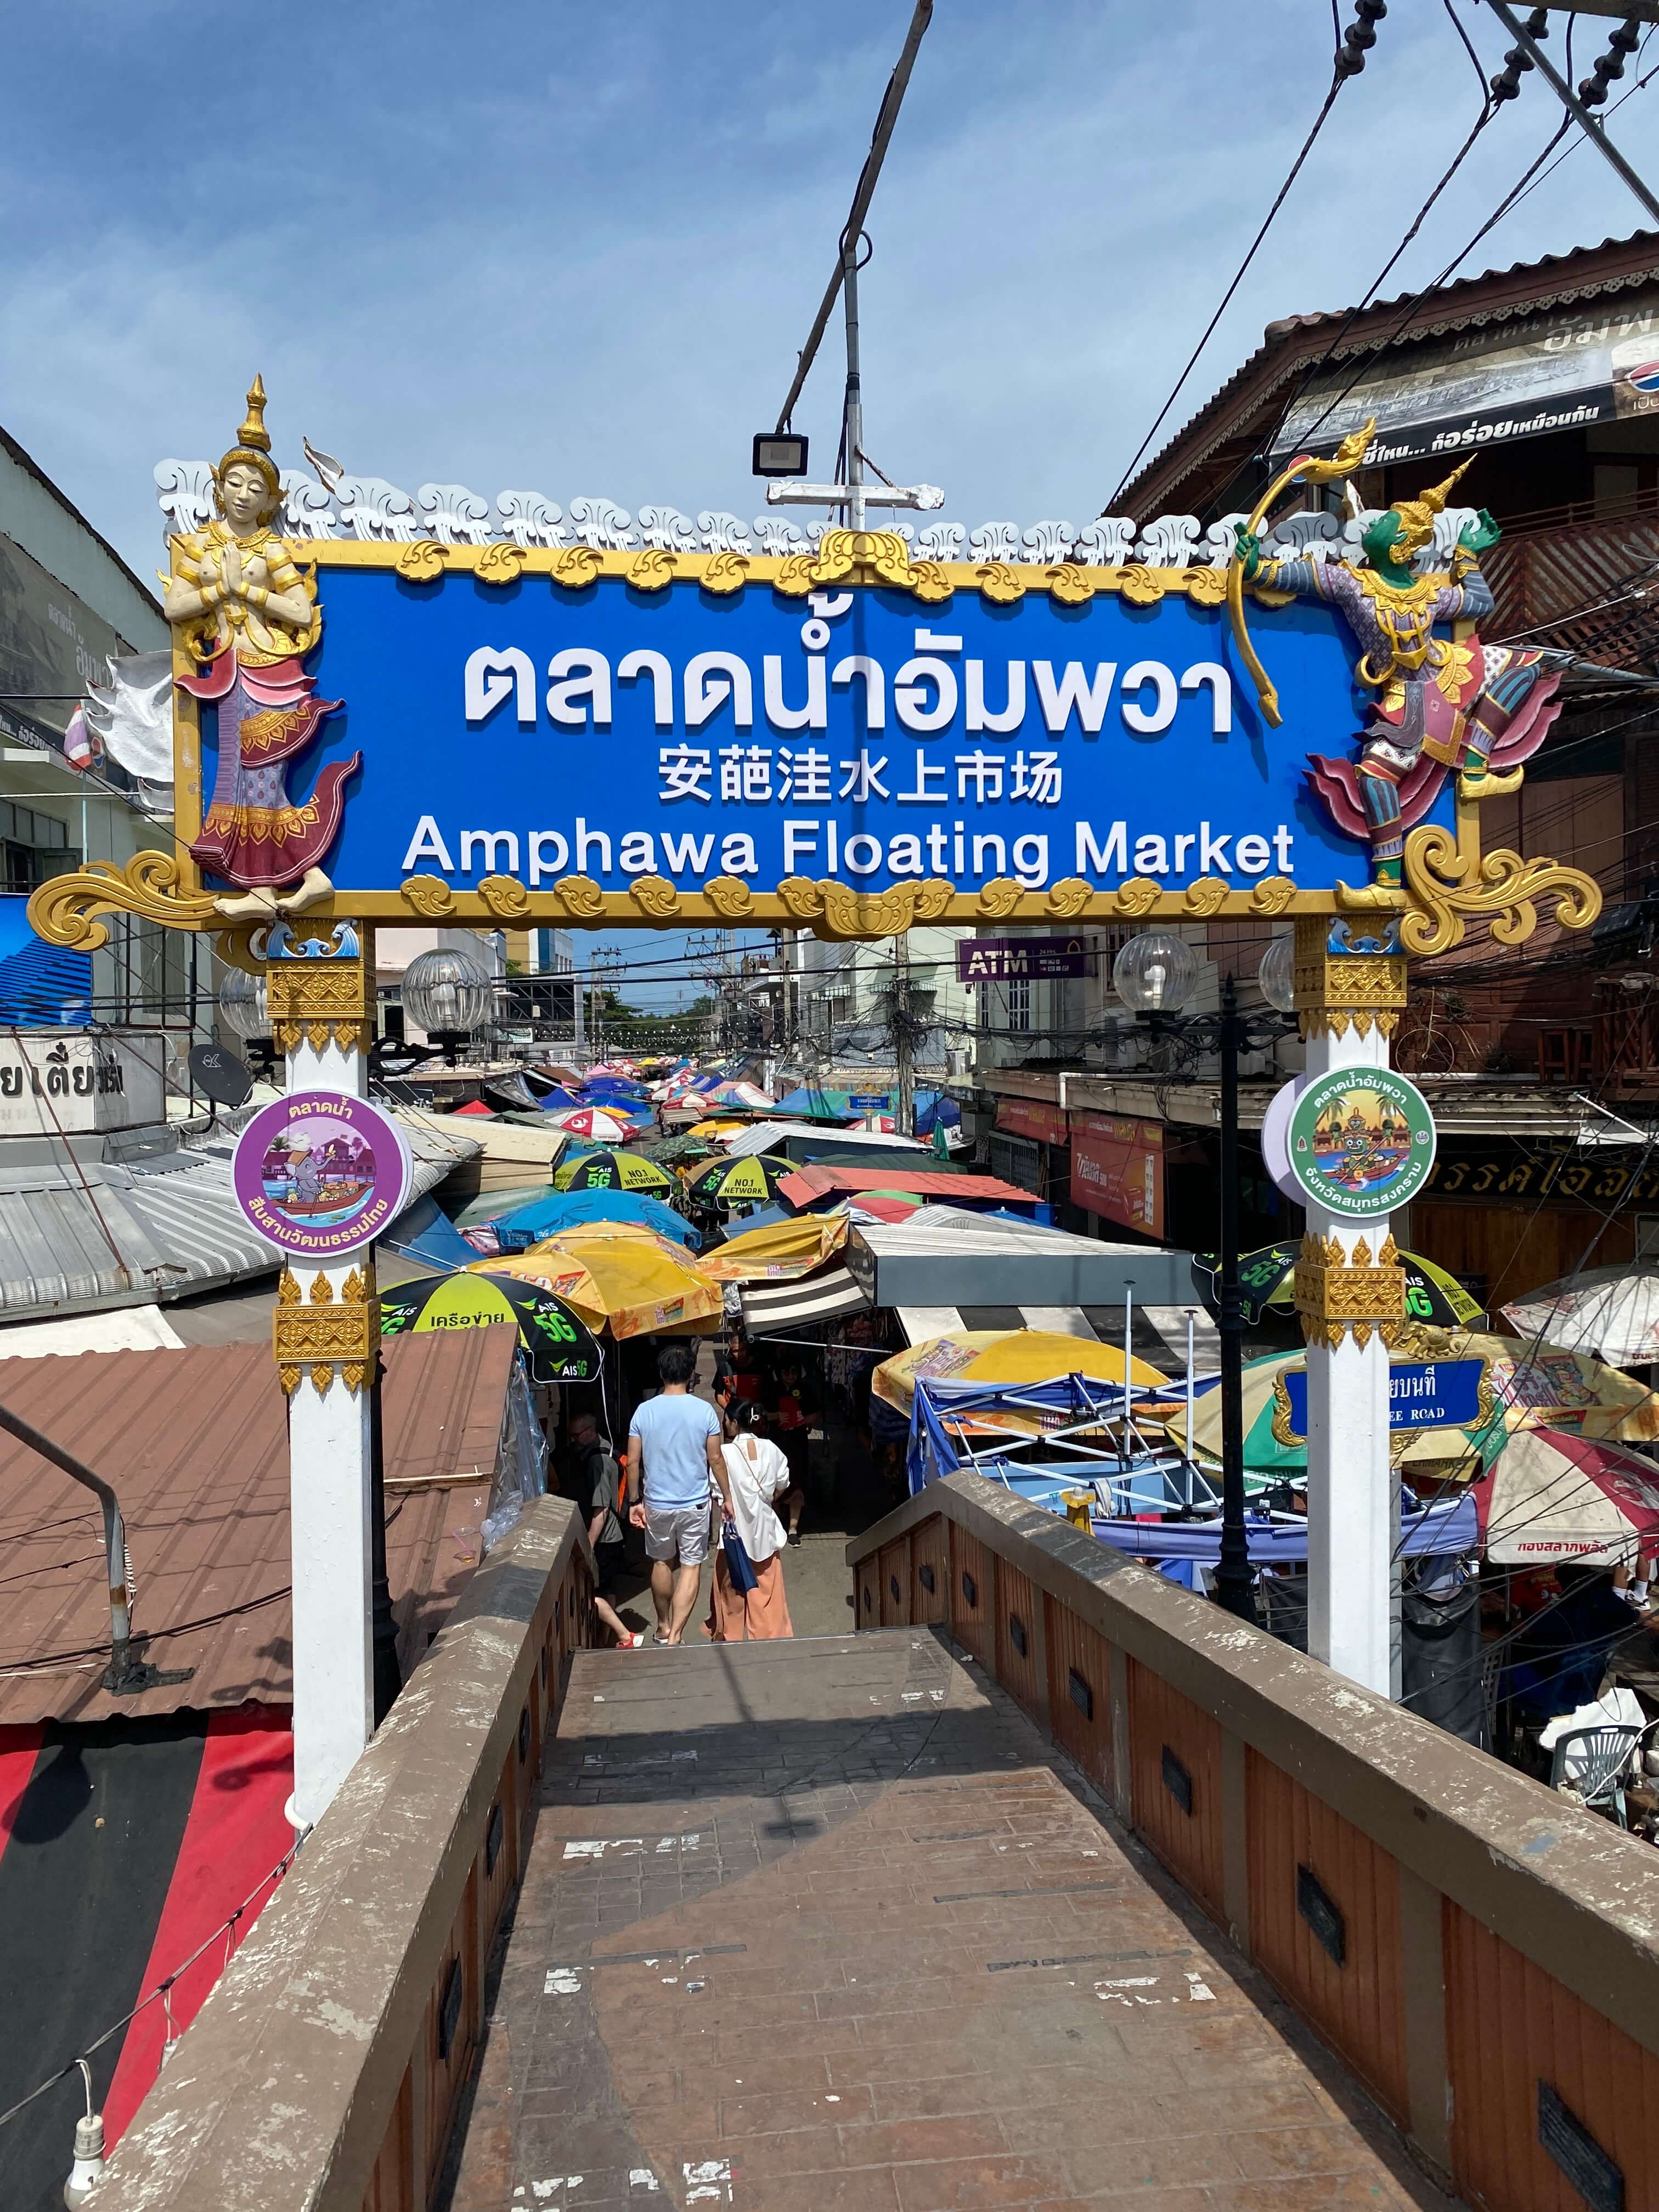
236, 1834
19, 1749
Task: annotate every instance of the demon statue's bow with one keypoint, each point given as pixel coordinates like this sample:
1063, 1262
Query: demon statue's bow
1437, 705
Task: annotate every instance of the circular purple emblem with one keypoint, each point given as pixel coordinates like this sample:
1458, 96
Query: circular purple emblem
319, 1174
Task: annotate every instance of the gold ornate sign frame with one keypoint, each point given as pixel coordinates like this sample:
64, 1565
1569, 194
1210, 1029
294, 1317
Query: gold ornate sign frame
1448, 879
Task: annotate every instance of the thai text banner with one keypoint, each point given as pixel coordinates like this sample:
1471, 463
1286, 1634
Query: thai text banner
534, 733
1435, 1394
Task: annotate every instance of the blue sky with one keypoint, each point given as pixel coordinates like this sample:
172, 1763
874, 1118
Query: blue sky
573, 248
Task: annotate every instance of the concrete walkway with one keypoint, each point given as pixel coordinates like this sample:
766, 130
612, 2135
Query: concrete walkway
827, 1924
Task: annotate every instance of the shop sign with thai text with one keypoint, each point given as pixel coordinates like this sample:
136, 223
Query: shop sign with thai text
1117, 1169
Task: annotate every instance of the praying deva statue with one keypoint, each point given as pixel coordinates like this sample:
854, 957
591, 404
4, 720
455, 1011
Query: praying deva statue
248, 617
1439, 705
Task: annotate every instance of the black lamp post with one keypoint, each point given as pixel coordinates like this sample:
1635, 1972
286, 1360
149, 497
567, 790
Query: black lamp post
1154, 975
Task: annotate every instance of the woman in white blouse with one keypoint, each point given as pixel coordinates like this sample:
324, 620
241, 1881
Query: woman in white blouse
758, 1473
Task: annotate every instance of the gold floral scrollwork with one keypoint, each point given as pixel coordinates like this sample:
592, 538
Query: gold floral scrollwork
729, 897
1139, 896
850, 913
652, 570
801, 898
318, 999
501, 562
1206, 587
999, 897
576, 568
1506, 891
932, 898
1207, 897
64, 910
323, 1333
422, 561
795, 577
232, 949
724, 573
1337, 1294
1271, 895
583, 899
1072, 585
505, 895
1068, 897
1000, 582
928, 581
1143, 586
428, 894
655, 896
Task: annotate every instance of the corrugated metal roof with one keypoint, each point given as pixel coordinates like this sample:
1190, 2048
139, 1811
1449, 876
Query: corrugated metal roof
77, 1234
195, 1444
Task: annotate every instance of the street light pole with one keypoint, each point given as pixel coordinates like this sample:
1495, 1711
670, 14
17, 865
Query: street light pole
1233, 1587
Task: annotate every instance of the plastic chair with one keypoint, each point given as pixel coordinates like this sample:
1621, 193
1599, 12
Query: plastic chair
1605, 1755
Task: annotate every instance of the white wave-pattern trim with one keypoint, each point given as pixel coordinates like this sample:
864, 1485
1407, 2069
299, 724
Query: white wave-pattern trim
370, 508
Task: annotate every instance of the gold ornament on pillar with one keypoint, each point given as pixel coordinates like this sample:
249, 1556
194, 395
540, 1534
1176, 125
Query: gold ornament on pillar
1337, 1293
1348, 981
316, 1330
318, 989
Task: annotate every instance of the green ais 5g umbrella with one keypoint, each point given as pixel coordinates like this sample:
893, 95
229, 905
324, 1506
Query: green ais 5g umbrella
1266, 1278
558, 1345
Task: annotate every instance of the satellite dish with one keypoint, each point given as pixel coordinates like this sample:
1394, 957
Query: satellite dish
218, 1071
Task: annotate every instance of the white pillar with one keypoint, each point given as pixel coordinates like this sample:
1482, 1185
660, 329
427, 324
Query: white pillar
1352, 1514
321, 1015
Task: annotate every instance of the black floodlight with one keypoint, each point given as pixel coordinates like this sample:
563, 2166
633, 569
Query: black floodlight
779, 453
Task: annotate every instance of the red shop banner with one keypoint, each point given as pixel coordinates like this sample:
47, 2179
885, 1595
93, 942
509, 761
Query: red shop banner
1117, 1169
1028, 1117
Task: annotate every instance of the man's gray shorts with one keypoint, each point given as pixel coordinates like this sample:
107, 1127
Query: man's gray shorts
676, 1532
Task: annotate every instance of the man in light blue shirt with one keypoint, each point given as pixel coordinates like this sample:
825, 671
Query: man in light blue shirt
673, 1456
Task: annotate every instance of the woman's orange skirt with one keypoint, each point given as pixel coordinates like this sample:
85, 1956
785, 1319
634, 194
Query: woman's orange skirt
764, 1613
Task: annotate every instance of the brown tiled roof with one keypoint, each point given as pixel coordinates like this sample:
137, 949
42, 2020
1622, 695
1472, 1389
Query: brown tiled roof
195, 1444
1498, 295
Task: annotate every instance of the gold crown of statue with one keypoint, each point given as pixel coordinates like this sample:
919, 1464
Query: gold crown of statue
1417, 516
253, 445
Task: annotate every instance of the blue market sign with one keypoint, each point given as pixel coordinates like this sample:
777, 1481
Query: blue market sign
1435, 1394
399, 710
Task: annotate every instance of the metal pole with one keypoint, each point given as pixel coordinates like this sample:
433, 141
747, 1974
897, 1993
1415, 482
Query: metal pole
1574, 106
124, 1671
388, 1674
853, 411
1128, 1332
1191, 1484
891, 100
1233, 1581
906, 1073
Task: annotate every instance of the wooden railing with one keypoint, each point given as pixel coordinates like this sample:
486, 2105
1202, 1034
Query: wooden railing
324, 2068
1483, 1954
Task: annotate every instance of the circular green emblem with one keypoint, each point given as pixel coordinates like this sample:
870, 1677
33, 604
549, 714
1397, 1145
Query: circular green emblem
1361, 1141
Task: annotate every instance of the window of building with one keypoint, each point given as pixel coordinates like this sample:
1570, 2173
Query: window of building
1018, 996
34, 846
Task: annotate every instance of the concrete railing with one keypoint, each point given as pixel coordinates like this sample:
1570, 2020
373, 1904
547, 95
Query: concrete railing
323, 2071
1483, 1954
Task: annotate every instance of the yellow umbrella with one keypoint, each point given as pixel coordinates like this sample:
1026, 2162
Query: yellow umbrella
619, 1276
998, 1355
778, 1251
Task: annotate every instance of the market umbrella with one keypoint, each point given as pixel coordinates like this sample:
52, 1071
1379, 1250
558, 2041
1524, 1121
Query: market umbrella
752, 1179
747, 1096
621, 1277
778, 1251
1002, 1355
1266, 1278
558, 1346
594, 1121
1554, 1496
552, 1211
560, 1099
1611, 1311
611, 1170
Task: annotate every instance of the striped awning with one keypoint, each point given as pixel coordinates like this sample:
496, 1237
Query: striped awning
774, 1309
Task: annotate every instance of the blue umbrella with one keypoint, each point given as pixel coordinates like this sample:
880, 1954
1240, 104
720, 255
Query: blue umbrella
566, 1209
556, 1100
423, 1233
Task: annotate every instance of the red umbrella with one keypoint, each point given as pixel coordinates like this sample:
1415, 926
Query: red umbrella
1554, 1496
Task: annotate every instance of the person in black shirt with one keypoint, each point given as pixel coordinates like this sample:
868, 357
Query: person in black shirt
598, 1483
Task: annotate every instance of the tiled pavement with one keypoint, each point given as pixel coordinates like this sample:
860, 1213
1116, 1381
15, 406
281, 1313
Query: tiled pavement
827, 1924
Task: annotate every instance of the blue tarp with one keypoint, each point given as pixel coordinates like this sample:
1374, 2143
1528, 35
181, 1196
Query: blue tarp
423, 1232
558, 1098
933, 1106
566, 1209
